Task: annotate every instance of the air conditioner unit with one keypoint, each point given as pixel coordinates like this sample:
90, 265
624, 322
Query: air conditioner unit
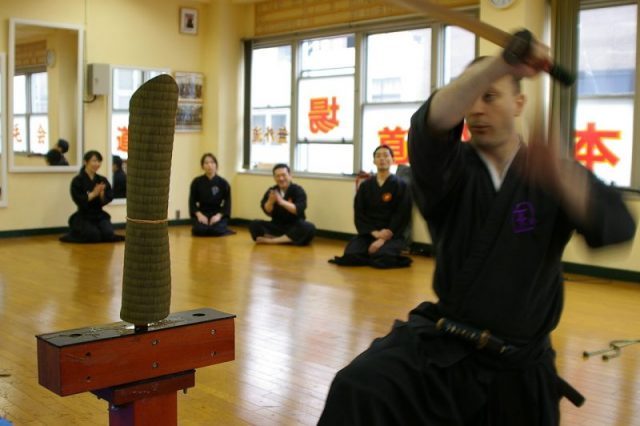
98, 79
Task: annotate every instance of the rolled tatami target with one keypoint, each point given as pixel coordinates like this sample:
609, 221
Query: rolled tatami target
146, 287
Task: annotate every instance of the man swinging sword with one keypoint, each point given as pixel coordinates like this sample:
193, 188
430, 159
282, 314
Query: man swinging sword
500, 212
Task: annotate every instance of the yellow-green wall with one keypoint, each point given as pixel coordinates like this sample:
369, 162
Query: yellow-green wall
145, 33
139, 33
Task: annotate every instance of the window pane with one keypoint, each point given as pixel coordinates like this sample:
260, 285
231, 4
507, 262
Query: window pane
324, 158
459, 51
39, 92
389, 125
606, 88
39, 134
120, 134
607, 55
270, 137
125, 83
328, 56
604, 138
270, 103
325, 109
398, 66
20, 94
265, 156
19, 134
271, 77
148, 75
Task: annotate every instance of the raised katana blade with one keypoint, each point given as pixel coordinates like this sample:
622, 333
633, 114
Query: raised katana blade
481, 29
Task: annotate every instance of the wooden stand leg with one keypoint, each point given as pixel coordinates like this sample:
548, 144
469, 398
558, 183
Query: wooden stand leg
157, 410
148, 402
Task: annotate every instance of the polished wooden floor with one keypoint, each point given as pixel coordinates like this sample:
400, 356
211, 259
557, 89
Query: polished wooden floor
299, 319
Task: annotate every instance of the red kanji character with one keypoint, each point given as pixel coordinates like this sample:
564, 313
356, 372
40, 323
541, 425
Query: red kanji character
322, 116
590, 149
123, 139
397, 141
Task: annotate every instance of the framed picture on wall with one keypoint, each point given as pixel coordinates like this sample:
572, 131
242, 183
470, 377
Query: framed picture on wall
189, 85
189, 117
188, 21
190, 101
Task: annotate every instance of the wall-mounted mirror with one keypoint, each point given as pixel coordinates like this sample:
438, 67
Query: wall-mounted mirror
45, 88
125, 80
3, 133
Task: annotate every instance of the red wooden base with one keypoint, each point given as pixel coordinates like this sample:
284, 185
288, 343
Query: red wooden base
138, 373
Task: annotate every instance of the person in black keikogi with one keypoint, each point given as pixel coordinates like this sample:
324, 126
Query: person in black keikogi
285, 203
210, 201
499, 214
382, 209
90, 192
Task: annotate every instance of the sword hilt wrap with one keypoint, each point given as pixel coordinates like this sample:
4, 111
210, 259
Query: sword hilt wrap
482, 339
518, 50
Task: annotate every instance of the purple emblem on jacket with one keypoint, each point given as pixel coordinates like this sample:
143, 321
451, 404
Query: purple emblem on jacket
523, 218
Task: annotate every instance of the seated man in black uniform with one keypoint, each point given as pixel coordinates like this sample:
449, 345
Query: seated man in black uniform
500, 214
382, 209
285, 203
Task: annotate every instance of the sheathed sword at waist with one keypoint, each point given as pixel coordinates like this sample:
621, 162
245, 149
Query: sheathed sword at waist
482, 339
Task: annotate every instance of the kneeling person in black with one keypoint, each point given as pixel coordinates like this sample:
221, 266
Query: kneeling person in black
285, 203
90, 191
382, 209
210, 201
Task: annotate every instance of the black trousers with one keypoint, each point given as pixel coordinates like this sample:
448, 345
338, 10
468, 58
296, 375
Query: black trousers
388, 256
218, 229
412, 378
91, 230
300, 232
359, 245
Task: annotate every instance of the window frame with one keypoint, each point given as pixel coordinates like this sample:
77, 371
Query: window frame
28, 73
361, 31
146, 75
635, 155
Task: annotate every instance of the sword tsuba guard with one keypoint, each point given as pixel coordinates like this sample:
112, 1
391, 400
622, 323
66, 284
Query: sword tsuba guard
518, 48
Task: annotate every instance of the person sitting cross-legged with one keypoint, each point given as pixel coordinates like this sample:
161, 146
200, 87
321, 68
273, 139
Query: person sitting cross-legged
285, 203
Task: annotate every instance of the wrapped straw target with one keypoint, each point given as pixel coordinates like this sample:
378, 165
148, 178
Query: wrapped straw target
146, 292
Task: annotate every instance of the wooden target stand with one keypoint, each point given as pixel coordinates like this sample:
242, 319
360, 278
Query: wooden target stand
137, 373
